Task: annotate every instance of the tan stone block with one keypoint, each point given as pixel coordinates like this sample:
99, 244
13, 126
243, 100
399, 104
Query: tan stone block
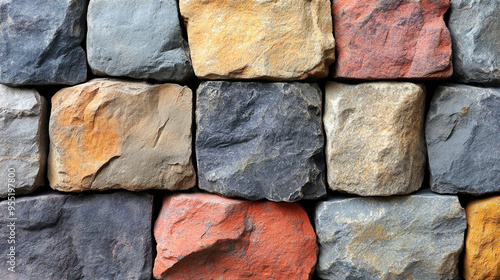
249, 39
109, 134
375, 138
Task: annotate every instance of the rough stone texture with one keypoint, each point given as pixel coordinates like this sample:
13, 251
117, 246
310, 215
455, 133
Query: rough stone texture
137, 39
40, 42
60, 236
482, 245
375, 137
475, 33
248, 39
402, 237
260, 140
462, 132
392, 39
23, 139
204, 236
109, 134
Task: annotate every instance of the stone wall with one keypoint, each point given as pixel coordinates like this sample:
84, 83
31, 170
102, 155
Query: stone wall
237, 139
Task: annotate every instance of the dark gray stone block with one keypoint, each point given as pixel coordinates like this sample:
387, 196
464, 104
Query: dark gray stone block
260, 140
40, 42
97, 236
462, 134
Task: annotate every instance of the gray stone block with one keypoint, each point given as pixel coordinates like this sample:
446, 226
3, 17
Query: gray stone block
137, 39
40, 42
59, 236
475, 32
260, 140
462, 133
416, 236
23, 140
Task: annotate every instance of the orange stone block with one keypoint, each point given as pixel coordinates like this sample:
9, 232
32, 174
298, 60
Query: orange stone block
204, 236
482, 245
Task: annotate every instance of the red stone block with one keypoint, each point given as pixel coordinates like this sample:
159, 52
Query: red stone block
392, 39
204, 236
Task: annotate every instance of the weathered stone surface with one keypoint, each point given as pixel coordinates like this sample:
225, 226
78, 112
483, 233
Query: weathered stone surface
109, 134
392, 39
23, 140
60, 236
417, 236
204, 236
247, 39
40, 42
137, 39
475, 33
482, 246
462, 132
375, 137
260, 140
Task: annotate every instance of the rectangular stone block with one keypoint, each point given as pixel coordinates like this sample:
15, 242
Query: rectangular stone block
204, 236
416, 236
375, 137
137, 39
475, 32
23, 140
462, 133
248, 39
482, 245
260, 140
60, 236
110, 134
41, 42
392, 39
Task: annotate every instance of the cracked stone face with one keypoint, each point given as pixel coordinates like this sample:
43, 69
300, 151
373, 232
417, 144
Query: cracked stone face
108, 134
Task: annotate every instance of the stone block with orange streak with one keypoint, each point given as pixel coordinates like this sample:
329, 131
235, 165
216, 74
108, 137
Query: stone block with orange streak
110, 134
417, 236
248, 39
392, 39
204, 236
482, 245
